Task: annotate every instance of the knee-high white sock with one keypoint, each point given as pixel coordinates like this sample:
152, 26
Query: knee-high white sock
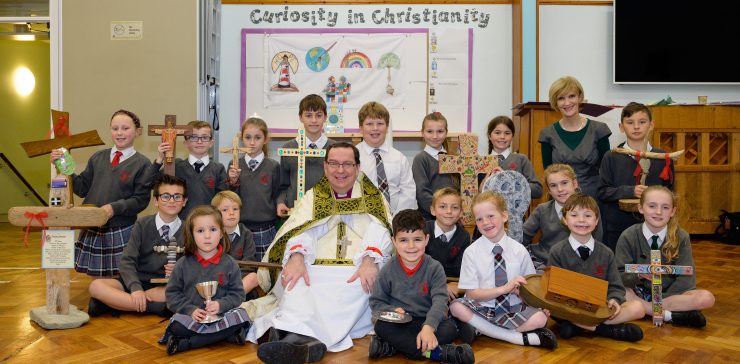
497, 332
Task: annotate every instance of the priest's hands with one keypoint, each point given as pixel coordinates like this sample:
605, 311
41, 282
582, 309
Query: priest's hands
294, 270
367, 272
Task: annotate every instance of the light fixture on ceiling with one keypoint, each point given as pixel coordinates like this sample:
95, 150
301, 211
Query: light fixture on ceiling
27, 32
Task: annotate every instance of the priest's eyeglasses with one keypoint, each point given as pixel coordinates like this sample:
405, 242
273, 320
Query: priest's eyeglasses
201, 138
166, 197
345, 165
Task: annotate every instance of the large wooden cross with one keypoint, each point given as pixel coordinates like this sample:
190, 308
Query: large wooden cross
469, 165
57, 314
302, 152
169, 132
235, 150
657, 270
643, 157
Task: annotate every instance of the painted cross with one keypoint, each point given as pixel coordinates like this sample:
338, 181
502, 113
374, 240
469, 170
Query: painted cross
169, 132
657, 270
302, 152
235, 150
469, 165
61, 215
171, 250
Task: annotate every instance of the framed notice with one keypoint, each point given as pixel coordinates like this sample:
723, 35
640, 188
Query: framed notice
59, 249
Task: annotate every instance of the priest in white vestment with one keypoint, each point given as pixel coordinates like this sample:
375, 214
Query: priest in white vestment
331, 249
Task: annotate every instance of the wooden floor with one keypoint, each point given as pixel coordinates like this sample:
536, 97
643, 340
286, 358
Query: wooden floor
132, 337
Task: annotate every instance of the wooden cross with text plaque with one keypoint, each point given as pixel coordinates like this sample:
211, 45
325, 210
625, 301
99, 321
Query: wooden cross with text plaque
302, 152
169, 132
657, 270
235, 149
469, 165
57, 313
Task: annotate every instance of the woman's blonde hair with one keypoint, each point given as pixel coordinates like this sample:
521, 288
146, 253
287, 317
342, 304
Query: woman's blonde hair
563, 85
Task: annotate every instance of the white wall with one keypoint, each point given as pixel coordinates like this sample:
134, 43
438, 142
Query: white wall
491, 90
577, 41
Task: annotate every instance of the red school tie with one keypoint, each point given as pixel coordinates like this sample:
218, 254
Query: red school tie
116, 158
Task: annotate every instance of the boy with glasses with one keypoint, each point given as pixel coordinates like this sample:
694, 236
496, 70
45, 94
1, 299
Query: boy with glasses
132, 290
203, 178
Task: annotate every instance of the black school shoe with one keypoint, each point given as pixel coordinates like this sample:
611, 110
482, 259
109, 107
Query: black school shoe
465, 331
568, 329
692, 318
239, 337
457, 354
622, 332
547, 338
177, 345
291, 348
380, 348
96, 308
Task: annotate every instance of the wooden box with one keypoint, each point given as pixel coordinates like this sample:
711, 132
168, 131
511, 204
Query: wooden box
574, 289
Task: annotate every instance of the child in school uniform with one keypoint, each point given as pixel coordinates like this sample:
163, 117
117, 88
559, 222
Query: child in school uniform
492, 271
205, 260
682, 302
547, 217
132, 290
448, 238
257, 182
414, 284
229, 205
384, 165
425, 166
500, 134
620, 173
574, 139
583, 254
118, 180
204, 177
312, 114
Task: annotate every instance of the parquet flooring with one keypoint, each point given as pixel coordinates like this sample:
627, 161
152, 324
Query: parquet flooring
132, 337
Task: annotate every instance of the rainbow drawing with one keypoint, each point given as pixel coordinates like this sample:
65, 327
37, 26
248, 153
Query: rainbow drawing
355, 59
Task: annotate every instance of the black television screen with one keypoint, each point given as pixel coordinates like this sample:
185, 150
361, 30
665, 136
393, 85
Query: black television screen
662, 41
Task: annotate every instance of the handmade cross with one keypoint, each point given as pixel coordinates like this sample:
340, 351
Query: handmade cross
171, 250
469, 165
302, 152
643, 157
169, 132
57, 314
657, 270
235, 149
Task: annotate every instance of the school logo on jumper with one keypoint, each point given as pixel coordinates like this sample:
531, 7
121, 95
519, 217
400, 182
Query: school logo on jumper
124, 176
239, 252
454, 251
210, 182
424, 288
599, 270
221, 280
512, 166
263, 179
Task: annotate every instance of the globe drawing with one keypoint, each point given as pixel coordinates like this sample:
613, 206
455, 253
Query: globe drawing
317, 59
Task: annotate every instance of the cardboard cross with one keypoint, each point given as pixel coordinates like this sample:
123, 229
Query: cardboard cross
657, 270
57, 313
302, 152
235, 150
469, 165
169, 132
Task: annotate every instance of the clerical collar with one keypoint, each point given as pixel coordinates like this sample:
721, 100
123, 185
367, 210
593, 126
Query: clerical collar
342, 196
192, 159
212, 260
506, 153
410, 272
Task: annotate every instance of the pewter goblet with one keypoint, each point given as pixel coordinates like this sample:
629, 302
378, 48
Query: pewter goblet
208, 290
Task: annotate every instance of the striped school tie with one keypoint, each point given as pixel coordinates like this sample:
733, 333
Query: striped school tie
382, 179
499, 267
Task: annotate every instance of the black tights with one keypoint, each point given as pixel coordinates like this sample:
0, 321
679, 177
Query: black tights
196, 340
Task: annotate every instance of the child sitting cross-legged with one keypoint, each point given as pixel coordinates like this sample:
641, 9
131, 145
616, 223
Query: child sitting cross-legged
413, 283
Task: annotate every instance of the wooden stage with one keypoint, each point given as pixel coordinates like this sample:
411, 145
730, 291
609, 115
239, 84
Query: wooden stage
133, 337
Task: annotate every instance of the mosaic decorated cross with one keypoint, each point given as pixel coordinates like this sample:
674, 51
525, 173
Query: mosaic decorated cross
61, 216
302, 152
235, 150
657, 270
469, 165
168, 133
